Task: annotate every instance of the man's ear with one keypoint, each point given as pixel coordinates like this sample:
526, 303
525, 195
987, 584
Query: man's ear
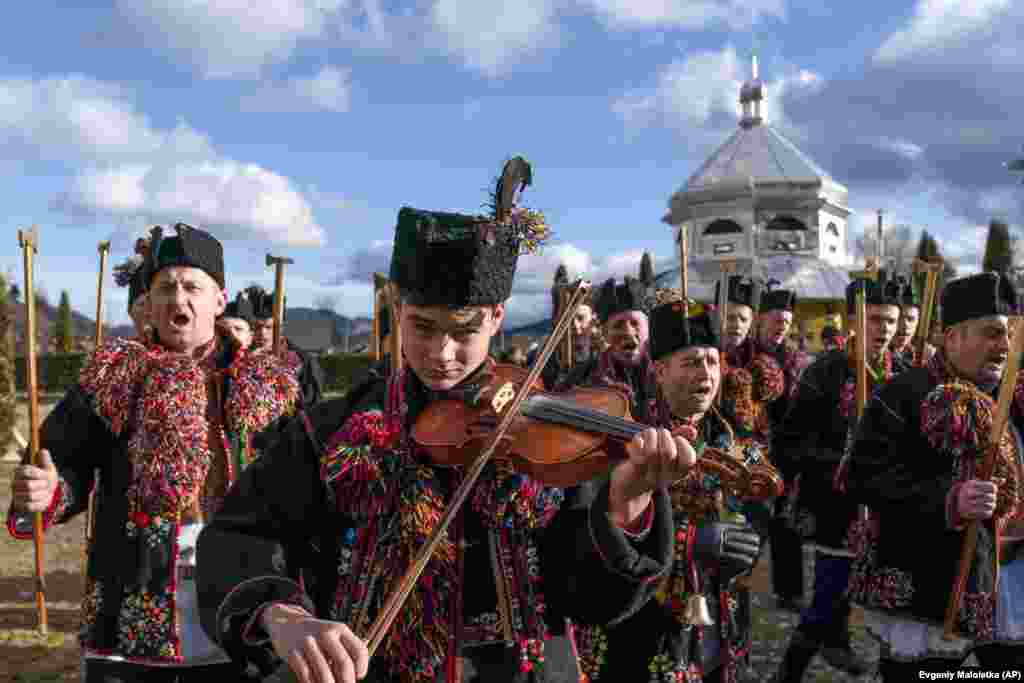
222, 301
659, 369
498, 316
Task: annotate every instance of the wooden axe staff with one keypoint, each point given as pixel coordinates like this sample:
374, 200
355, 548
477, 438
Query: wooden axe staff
103, 248
90, 510
279, 263
931, 271
29, 243
380, 284
397, 362
1002, 417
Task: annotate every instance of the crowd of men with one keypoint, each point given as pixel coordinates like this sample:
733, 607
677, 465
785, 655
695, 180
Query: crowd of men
220, 552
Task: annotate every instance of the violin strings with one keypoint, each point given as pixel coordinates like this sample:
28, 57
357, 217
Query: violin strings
622, 426
599, 421
582, 418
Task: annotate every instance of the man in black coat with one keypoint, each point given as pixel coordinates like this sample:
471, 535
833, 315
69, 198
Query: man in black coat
162, 427
810, 444
667, 640
351, 494
913, 462
311, 375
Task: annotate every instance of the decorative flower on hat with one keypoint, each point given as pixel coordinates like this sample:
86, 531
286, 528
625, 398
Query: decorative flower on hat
528, 226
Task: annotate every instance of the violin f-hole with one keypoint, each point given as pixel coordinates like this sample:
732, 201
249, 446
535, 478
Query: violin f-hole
502, 396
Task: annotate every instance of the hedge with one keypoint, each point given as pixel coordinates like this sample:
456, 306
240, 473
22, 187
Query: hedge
341, 370
59, 371
54, 371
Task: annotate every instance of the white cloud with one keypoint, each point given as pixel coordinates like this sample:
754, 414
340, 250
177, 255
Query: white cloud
91, 121
703, 89
938, 24
689, 14
490, 36
328, 90
227, 38
125, 170
231, 199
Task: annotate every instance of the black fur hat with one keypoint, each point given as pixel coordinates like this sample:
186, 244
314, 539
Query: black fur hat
977, 296
241, 307
132, 273
776, 299
262, 302
631, 295
671, 332
457, 260
191, 247
743, 291
881, 292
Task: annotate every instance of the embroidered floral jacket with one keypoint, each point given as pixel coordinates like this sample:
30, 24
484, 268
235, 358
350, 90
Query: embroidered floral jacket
672, 649
349, 495
754, 380
138, 417
921, 436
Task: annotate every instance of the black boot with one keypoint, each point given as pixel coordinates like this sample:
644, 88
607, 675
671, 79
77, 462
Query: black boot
799, 654
838, 651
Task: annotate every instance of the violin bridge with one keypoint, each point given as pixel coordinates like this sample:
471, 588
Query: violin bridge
502, 397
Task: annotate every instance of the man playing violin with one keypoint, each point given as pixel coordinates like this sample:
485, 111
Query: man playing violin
350, 493
914, 462
698, 627
625, 365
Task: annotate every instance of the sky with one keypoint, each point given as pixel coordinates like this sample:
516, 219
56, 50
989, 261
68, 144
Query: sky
301, 127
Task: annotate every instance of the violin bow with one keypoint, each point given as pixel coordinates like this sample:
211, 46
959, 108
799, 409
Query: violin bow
506, 402
1006, 390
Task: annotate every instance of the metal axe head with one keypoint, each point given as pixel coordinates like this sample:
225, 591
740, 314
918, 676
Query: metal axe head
29, 239
278, 260
870, 271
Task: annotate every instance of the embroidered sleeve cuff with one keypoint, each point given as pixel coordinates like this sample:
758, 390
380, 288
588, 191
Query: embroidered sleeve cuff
238, 629
639, 559
19, 524
953, 520
254, 634
641, 528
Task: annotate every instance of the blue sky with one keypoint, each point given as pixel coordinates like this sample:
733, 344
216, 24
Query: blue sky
302, 126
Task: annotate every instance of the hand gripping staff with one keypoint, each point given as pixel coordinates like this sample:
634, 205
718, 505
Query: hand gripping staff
1002, 417
28, 240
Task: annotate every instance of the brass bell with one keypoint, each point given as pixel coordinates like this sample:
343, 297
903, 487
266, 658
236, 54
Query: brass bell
697, 611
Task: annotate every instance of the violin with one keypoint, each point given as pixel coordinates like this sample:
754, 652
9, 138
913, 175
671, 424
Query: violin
557, 439
561, 439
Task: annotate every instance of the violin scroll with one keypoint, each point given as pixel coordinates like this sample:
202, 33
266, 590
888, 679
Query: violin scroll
753, 483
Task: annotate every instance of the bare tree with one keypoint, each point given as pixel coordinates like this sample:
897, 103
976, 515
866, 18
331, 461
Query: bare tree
900, 242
